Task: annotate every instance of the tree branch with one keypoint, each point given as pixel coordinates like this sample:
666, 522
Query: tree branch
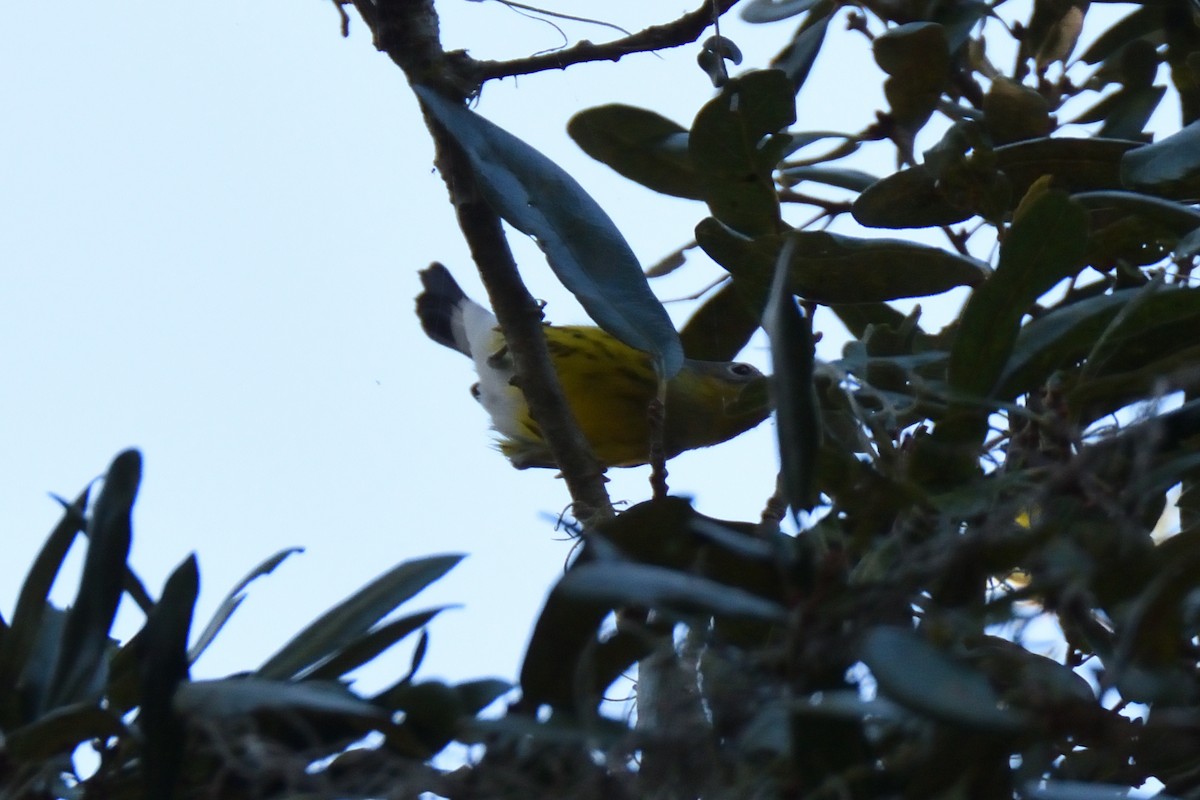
677, 32
407, 30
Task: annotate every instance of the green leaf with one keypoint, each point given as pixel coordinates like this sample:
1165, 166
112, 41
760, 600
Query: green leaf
85, 633
1078, 165
797, 412
720, 328
343, 624
642, 145
1013, 112
234, 599
1170, 167
1180, 219
797, 59
909, 198
1044, 245
622, 584
736, 143
581, 243
830, 268
232, 697
1056, 340
916, 57
916, 674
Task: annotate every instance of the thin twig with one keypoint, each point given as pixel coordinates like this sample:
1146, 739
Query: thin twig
684, 30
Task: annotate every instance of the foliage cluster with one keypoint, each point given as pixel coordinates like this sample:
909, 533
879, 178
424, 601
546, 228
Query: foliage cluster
952, 486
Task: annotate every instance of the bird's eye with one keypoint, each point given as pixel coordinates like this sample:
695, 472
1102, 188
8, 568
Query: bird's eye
742, 370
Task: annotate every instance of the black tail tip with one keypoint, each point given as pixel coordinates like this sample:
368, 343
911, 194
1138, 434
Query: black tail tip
438, 303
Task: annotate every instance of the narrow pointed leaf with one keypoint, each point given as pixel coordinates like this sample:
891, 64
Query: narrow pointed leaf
346, 622
17, 644
581, 243
371, 645
163, 667
231, 697
1044, 245
797, 59
621, 584
797, 412
85, 635
233, 600
1146, 21
1170, 167
759, 11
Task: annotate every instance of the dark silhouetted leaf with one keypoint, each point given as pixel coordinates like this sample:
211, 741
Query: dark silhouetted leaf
18, 643
343, 624
907, 199
583, 247
736, 143
1145, 21
1078, 165
916, 674
797, 59
60, 732
1056, 340
641, 145
1013, 112
830, 268
621, 584
853, 179
1053, 30
479, 694
1126, 112
797, 412
1170, 167
721, 327
371, 645
163, 667
234, 599
231, 697
916, 57
78, 672
774, 10
1044, 245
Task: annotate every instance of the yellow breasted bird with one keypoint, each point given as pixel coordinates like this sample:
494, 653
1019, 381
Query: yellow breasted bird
609, 385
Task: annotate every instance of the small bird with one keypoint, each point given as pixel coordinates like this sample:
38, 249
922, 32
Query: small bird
608, 385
